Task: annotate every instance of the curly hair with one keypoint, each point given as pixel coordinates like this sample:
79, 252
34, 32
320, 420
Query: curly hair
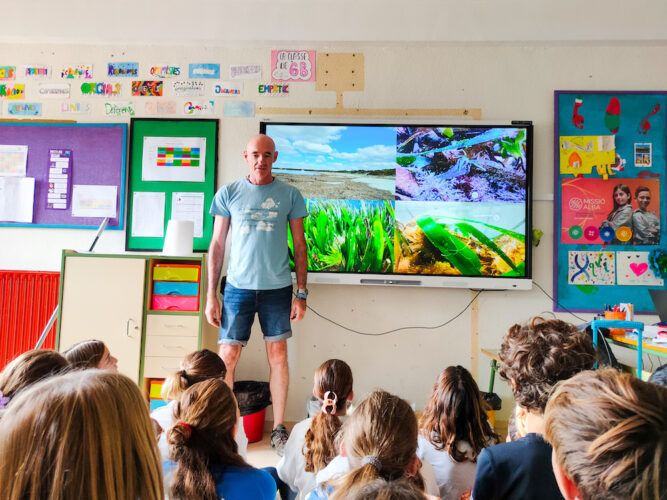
609, 433
537, 355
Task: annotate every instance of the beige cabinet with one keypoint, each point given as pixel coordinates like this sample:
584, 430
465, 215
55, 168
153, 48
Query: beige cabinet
115, 299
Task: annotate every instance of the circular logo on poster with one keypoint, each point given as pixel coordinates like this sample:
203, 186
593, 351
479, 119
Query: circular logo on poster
607, 234
576, 204
591, 233
575, 232
623, 233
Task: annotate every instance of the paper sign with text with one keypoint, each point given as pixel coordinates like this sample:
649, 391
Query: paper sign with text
293, 65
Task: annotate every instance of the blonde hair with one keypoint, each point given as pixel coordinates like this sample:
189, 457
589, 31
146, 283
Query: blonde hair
609, 434
202, 437
85, 354
380, 439
29, 368
335, 377
80, 435
196, 367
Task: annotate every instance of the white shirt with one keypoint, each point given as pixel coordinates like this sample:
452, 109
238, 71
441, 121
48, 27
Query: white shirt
164, 415
453, 478
291, 467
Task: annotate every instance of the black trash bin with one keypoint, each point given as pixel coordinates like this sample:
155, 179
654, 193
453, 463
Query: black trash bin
253, 398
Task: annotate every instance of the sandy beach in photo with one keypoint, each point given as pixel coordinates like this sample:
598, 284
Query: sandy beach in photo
341, 186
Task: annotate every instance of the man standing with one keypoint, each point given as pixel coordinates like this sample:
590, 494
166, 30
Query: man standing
258, 209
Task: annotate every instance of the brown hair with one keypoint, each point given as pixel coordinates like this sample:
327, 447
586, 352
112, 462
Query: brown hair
537, 355
389, 490
380, 439
333, 376
196, 367
80, 435
202, 437
609, 434
85, 354
28, 368
455, 413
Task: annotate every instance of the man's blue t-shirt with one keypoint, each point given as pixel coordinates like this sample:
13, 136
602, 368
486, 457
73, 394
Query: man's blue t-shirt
259, 257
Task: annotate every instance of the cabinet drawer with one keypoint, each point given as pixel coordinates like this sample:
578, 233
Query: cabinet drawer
178, 326
170, 346
174, 303
175, 272
161, 367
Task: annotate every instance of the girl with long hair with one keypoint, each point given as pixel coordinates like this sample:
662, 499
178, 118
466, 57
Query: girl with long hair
90, 354
621, 214
310, 447
453, 430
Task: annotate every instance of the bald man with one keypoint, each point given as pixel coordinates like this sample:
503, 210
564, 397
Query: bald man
258, 209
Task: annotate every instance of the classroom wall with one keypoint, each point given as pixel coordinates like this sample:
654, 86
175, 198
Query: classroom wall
506, 81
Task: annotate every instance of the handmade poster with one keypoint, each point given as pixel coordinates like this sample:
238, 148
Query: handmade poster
643, 154
227, 88
94, 201
203, 70
160, 107
273, 89
59, 179
148, 214
587, 154
633, 269
293, 65
84, 71
75, 108
184, 88
176, 159
119, 108
595, 211
198, 108
37, 71
127, 69
17, 197
54, 90
245, 72
106, 89
165, 70
189, 206
12, 91
7, 72
239, 109
591, 268
24, 108
150, 88
13, 160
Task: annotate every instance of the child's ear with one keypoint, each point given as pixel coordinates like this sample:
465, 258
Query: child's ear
413, 466
566, 485
350, 396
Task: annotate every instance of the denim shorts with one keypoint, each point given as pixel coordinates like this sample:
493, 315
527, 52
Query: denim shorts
238, 314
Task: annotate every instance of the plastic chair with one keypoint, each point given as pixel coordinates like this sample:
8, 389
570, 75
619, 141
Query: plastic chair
638, 326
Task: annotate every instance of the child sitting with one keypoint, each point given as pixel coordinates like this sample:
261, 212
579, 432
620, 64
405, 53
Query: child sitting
454, 430
90, 354
204, 462
609, 435
310, 446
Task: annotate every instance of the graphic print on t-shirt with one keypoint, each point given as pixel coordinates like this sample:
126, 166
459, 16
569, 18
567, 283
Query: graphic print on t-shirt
262, 218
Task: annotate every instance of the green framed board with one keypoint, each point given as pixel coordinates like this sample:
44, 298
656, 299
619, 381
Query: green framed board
172, 176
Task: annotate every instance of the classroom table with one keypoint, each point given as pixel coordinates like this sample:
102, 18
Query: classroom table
647, 346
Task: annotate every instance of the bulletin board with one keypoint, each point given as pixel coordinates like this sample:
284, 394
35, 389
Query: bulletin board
610, 203
93, 181
172, 176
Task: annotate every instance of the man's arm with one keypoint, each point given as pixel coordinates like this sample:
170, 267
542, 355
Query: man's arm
301, 266
216, 255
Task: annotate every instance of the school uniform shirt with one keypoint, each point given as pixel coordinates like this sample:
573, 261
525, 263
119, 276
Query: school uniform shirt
519, 469
164, 415
232, 483
291, 467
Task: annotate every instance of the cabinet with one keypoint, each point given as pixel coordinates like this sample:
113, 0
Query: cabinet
149, 310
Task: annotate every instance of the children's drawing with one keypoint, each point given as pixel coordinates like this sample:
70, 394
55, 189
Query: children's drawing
645, 124
590, 268
293, 65
147, 88
174, 159
612, 116
101, 89
127, 69
633, 269
12, 92
579, 155
79, 71
206, 70
7, 72
577, 118
198, 108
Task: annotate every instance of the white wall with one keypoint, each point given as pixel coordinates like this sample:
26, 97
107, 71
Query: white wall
507, 81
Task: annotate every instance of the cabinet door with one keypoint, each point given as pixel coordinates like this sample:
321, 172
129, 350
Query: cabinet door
103, 298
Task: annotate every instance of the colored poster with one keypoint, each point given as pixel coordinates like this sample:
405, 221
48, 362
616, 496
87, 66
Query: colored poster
588, 154
227, 88
160, 107
119, 108
106, 89
60, 179
633, 269
7, 72
273, 89
147, 88
245, 72
198, 108
185, 88
24, 108
75, 108
126, 69
293, 65
13, 160
178, 159
37, 71
595, 211
84, 71
239, 109
591, 268
12, 91
54, 90
208, 70
165, 70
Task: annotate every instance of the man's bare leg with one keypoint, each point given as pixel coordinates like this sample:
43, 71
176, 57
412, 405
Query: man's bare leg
276, 353
230, 354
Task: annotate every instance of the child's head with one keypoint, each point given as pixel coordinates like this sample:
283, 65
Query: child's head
195, 367
29, 368
622, 195
202, 436
643, 197
81, 435
333, 386
659, 376
90, 354
456, 413
389, 490
537, 355
609, 436
380, 441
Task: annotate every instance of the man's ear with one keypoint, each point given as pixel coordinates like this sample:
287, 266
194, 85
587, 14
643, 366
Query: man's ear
566, 485
275, 156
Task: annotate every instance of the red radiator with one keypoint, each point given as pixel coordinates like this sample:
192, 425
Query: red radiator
27, 299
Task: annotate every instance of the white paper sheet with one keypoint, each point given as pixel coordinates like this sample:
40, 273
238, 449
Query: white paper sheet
148, 214
13, 160
189, 206
17, 197
94, 201
158, 166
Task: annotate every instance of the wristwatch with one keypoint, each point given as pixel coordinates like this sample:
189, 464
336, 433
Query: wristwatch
302, 294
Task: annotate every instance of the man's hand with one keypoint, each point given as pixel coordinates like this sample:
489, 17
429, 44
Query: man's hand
298, 309
213, 310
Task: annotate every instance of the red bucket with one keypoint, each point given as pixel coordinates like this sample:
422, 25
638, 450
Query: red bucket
253, 424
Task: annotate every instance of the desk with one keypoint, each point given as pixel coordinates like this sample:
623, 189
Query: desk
647, 347
495, 359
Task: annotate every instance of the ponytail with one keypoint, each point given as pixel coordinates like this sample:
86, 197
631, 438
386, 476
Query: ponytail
319, 448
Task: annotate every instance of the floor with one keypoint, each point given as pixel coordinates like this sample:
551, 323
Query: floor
260, 454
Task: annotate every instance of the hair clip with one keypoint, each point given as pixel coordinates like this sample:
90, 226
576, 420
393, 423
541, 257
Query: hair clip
186, 427
4, 401
330, 399
373, 460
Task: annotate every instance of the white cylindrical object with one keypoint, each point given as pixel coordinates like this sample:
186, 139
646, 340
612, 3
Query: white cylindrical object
179, 238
